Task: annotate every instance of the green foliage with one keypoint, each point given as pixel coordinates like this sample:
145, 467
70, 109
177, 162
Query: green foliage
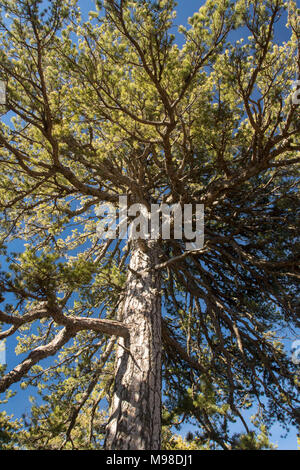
112, 106
10, 428
9, 438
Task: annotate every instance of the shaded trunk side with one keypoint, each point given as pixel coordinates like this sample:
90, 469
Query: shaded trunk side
135, 414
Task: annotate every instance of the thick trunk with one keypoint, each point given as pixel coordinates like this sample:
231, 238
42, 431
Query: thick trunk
135, 415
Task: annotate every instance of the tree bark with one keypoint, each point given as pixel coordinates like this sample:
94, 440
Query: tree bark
135, 414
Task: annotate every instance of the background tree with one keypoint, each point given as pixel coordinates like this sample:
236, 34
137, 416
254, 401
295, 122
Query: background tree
112, 106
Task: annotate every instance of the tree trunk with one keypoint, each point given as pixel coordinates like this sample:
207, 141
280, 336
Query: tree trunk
135, 414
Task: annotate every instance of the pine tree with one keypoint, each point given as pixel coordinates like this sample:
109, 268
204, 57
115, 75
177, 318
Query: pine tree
112, 106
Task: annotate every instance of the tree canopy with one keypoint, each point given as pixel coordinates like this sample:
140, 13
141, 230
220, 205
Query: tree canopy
112, 106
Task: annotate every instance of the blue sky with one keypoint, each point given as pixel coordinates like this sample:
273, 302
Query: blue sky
20, 403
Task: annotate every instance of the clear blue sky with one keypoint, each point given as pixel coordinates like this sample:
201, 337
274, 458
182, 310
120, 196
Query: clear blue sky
20, 403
